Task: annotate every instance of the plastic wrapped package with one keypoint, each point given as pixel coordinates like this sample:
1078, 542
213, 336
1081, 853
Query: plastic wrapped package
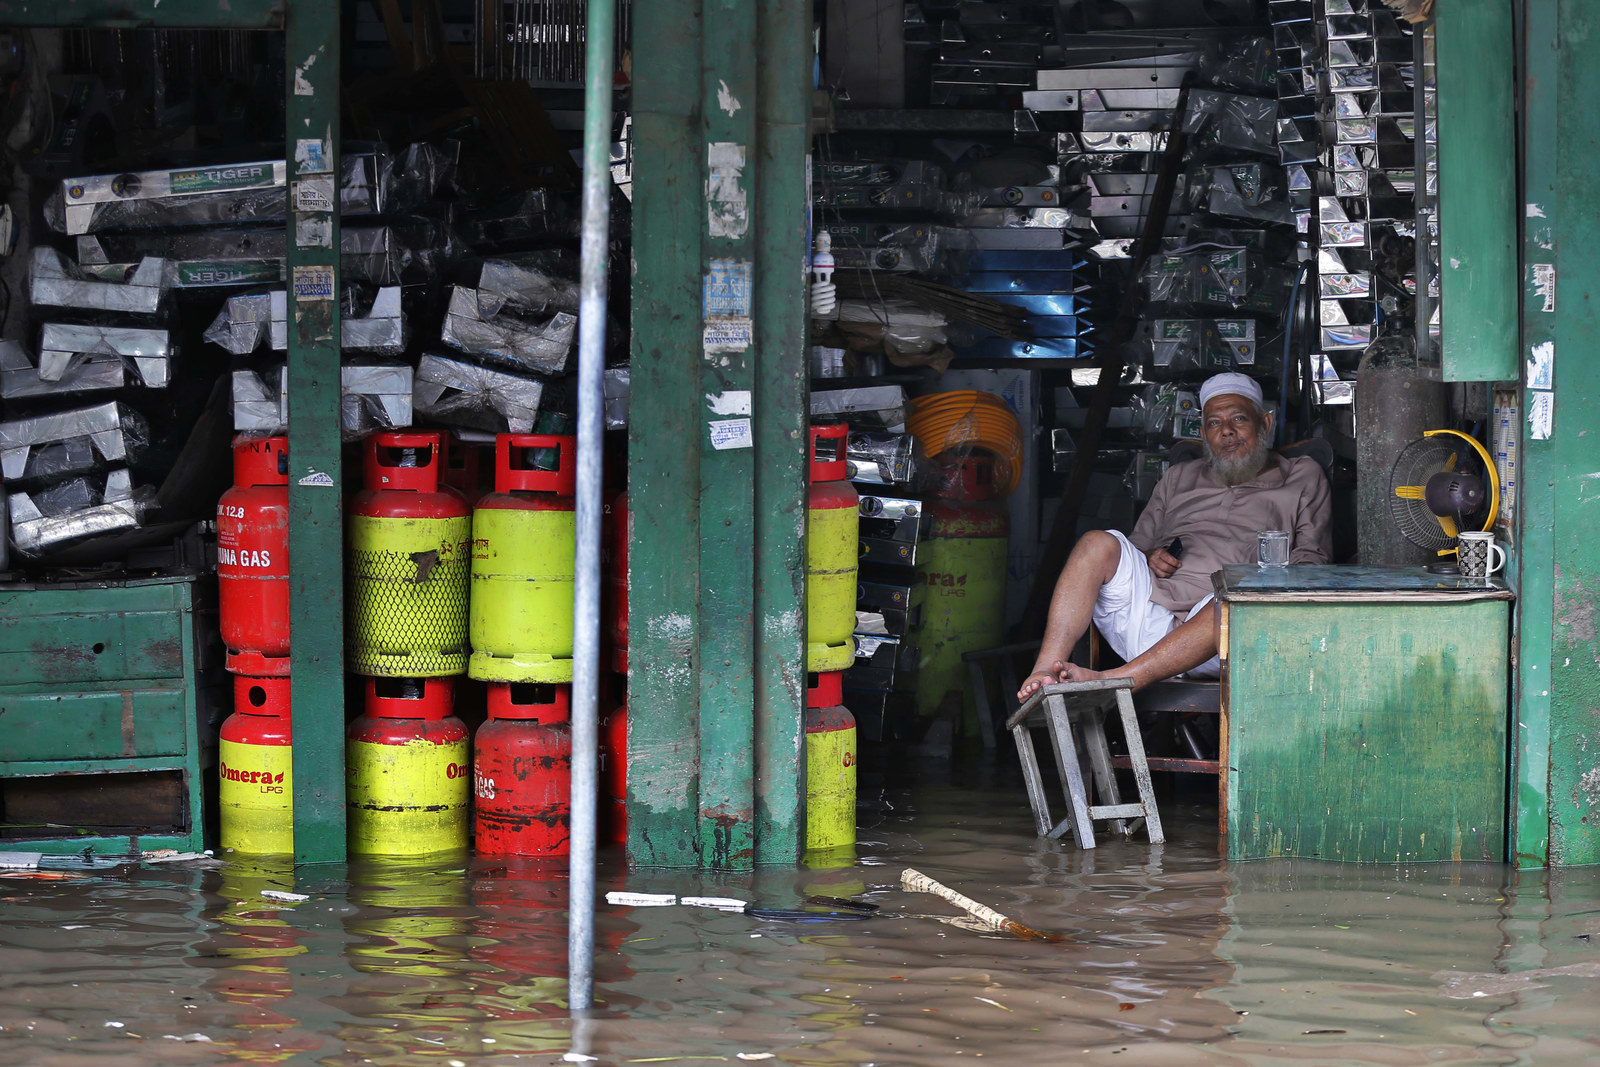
70, 442
909, 327
466, 395
47, 518
145, 353
256, 406
532, 217
417, 174
1166, 413
1244, 64
882, 459
1232, 121
370, 321
884, 244
526, 288
488, 325
1182, 348
617, 386
883, 405
222, 194
371, 397
53, 281
1245, 191
1169, 280
226, 257
20, 378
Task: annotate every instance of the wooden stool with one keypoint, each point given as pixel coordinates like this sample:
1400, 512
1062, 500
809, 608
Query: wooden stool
1058, 708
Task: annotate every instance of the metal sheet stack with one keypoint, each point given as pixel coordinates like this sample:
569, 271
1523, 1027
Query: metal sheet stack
1348, 123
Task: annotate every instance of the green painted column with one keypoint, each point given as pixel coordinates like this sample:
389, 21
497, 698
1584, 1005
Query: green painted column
663, 452
716, 439
781, 398
1573, 466
316, 529
727, 446
1477, 189
1535, 504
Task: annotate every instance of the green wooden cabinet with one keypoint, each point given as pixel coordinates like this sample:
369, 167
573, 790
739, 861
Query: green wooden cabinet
104, 692
1365, 715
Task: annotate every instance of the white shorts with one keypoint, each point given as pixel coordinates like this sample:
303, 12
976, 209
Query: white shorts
1125, 615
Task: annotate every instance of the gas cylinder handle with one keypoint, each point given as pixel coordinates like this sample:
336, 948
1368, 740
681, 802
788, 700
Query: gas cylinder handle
410, 698
509, 477
381, 474
836, 468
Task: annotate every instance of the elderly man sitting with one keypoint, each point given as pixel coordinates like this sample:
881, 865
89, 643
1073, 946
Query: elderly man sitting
1151, 603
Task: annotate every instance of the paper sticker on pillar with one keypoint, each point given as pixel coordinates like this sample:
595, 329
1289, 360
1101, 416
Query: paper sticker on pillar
727, 205
319, 479
731, 334
728, 288
313, 282
311, 156
314, 232
313, 194
1541, 415
729, 434
1542, 366
729, 402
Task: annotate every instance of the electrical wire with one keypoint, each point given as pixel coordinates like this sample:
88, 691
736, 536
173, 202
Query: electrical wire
1290, 318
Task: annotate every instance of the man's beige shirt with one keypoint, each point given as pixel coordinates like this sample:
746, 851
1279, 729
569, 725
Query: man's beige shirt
1219, 523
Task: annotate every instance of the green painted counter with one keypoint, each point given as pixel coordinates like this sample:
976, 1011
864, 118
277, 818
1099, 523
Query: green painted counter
1364, 714
106, 692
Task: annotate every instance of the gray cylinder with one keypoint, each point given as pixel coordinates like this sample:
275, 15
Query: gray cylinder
1394, 406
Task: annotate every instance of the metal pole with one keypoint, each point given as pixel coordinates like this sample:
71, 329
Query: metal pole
591, 445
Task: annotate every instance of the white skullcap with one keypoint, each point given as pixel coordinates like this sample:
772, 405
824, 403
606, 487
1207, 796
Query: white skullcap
1231, 383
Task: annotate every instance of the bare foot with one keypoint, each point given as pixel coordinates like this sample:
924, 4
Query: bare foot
1033, 683
1071, 672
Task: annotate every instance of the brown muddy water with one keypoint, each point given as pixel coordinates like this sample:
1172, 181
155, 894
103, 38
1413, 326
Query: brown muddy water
1173, 957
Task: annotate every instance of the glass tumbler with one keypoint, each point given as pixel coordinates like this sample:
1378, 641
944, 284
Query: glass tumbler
1272, 548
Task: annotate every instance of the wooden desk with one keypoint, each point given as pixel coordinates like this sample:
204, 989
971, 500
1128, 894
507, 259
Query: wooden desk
1364, 714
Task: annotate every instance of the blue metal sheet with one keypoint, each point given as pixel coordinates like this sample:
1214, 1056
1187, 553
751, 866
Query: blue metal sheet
1024, 259
1041, 348
1043, 281
1044, 303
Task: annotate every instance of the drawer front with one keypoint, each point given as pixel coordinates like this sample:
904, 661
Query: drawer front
74, 726
73, 647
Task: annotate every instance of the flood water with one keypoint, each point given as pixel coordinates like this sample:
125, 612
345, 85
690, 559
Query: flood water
1172, 957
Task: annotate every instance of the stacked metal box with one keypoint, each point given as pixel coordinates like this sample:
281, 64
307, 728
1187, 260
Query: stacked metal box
883, 467
1349, 91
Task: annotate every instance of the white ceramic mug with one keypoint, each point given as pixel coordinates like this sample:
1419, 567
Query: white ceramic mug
1476, 554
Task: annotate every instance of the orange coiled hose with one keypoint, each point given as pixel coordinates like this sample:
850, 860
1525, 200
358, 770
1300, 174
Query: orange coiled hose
966, 418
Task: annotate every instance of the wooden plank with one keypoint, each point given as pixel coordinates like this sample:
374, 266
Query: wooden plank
316, 476
663, 467
1369, 733
1478, 203
1172, 765
783, 108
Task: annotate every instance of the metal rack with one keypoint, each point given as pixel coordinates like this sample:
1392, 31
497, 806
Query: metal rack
311, 148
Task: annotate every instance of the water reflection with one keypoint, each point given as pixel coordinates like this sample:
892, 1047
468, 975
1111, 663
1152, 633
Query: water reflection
1172, 957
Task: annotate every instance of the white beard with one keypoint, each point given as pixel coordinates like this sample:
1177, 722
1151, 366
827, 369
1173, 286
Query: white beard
1238, 469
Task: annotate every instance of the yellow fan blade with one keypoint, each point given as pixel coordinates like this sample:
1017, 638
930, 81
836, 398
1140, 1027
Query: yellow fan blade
1408, 492
1448, 524
1450, 464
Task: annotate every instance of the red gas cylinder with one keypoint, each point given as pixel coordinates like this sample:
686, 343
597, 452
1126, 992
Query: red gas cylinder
614, 774
253, 558
833, 552
255, 765
617, 534
522, 772
463, 467
408, 765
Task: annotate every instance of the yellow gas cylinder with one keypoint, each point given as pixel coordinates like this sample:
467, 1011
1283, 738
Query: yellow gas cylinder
524, 544
830, 765
833, 553
409, 770
409, 542
255, 767
962, 568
